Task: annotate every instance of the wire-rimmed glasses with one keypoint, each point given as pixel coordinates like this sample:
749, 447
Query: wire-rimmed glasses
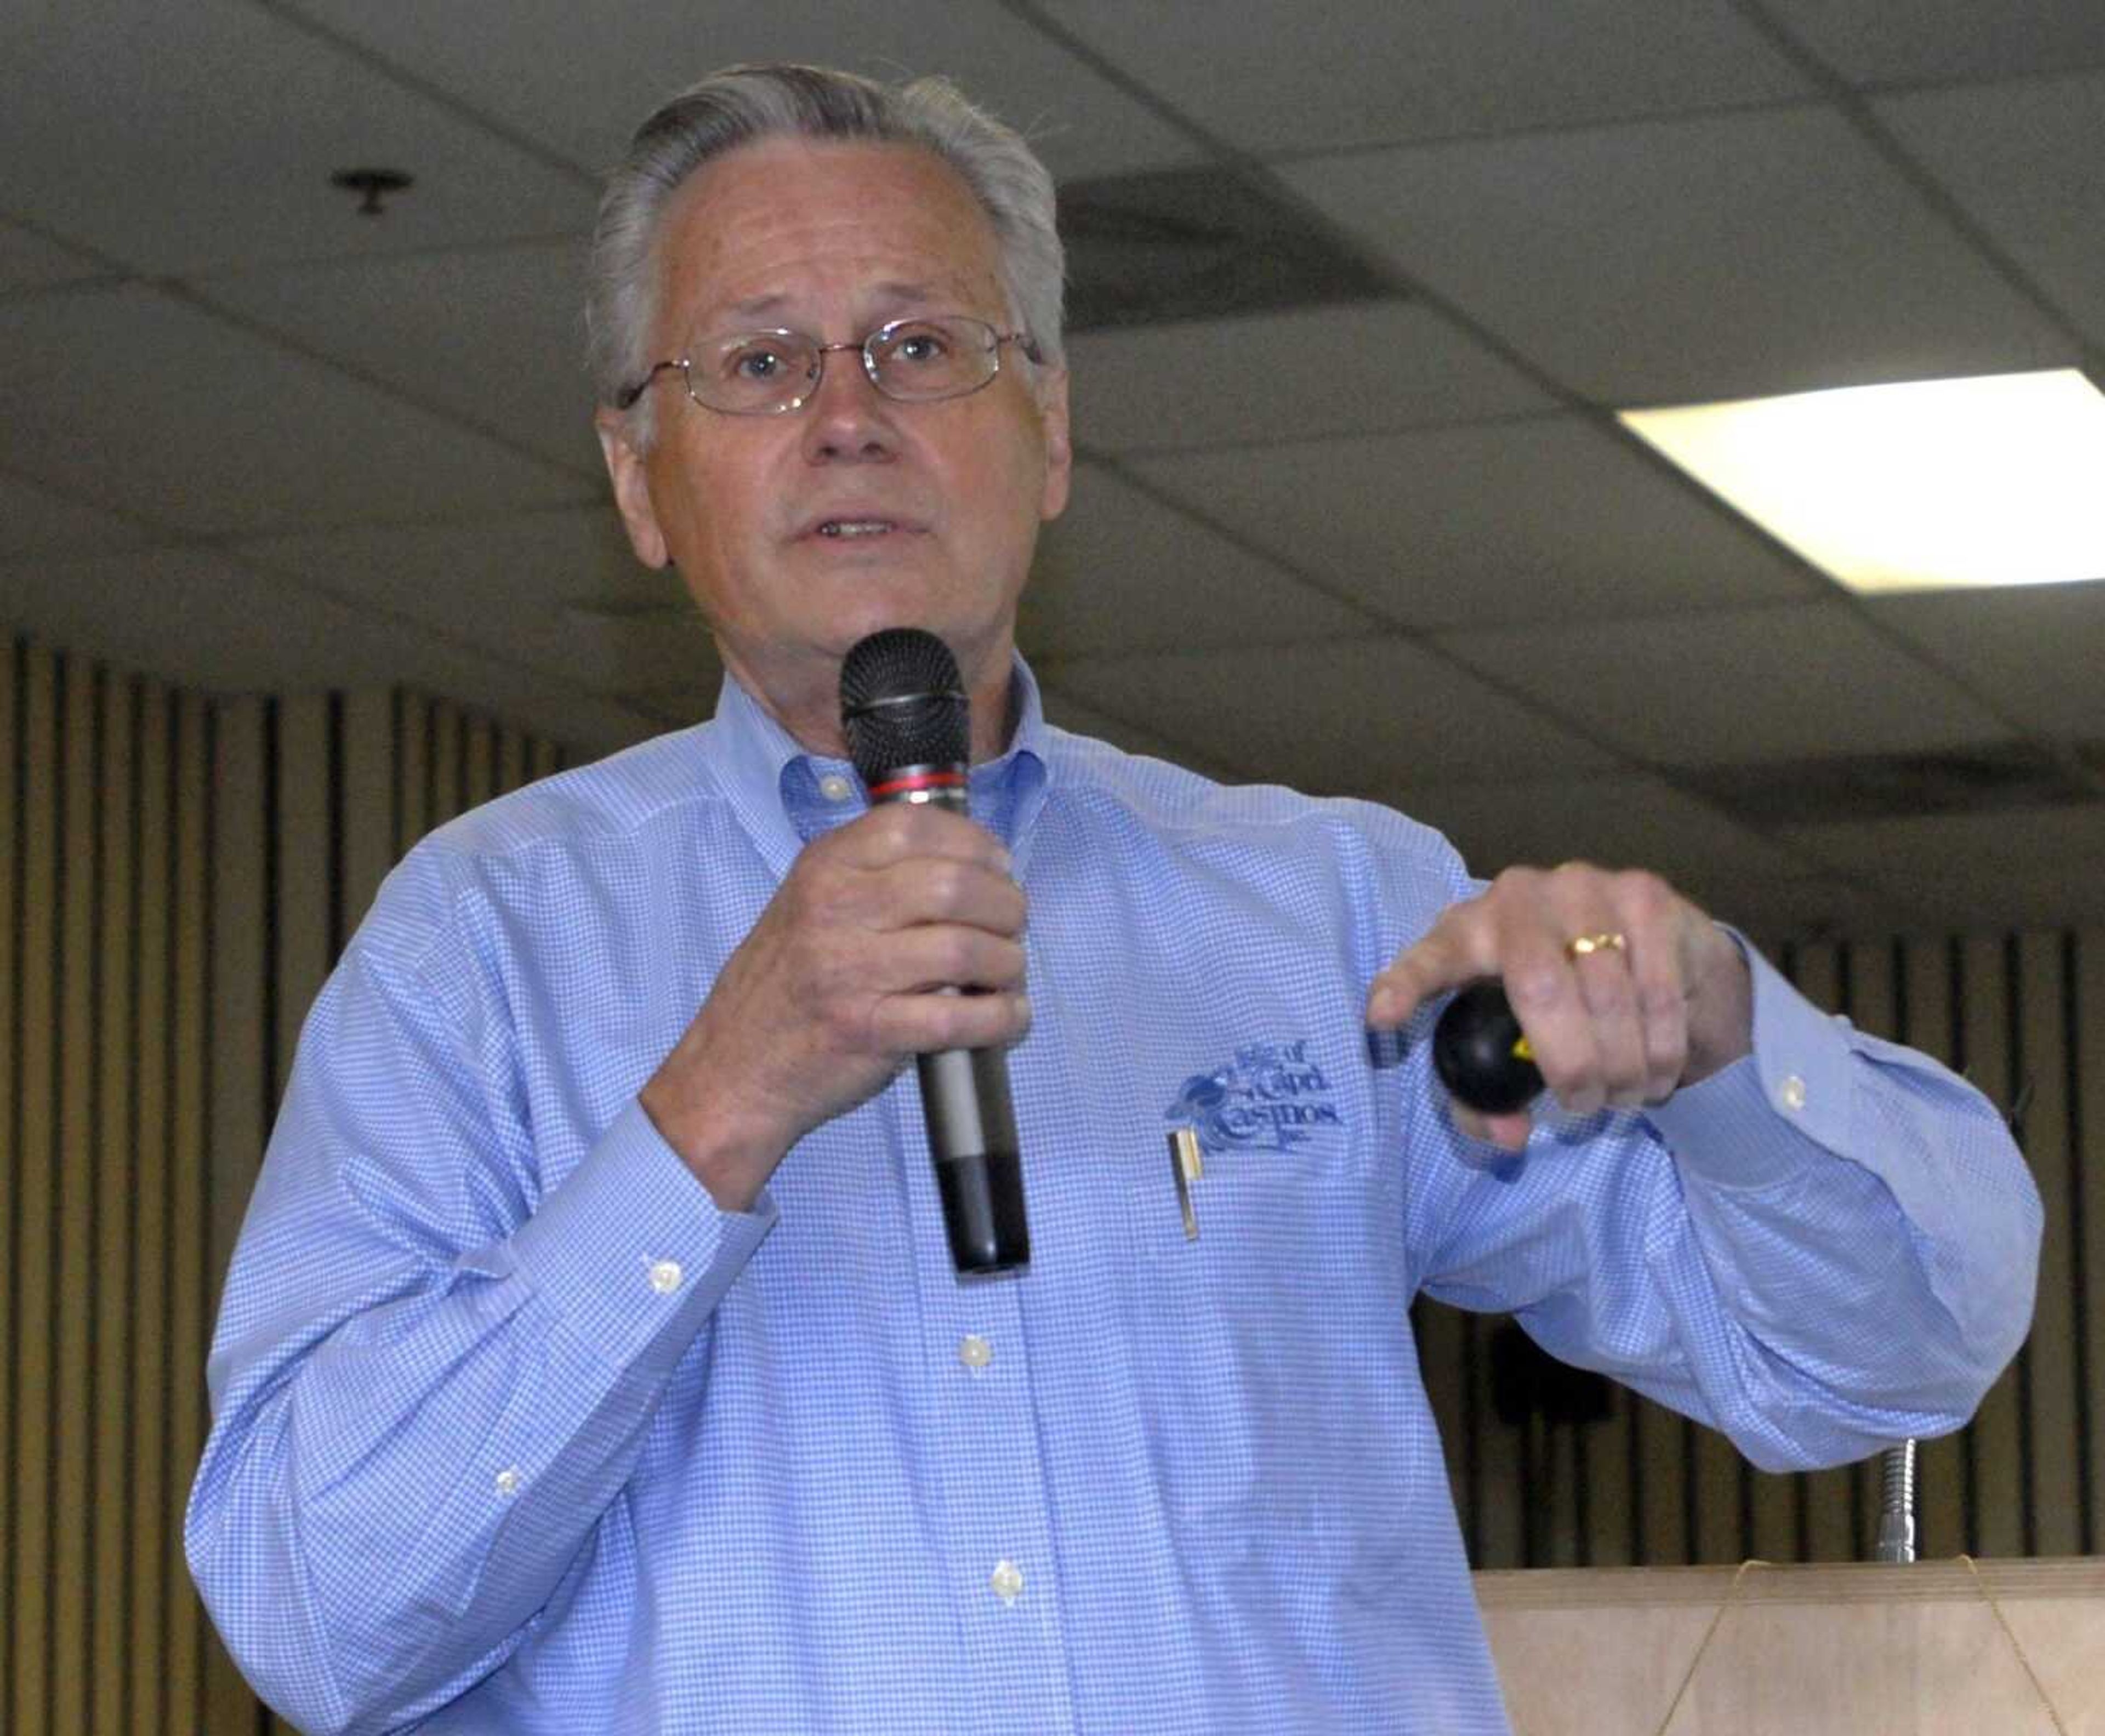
913, 360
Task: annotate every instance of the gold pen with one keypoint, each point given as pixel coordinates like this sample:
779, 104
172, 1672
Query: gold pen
1185, 1168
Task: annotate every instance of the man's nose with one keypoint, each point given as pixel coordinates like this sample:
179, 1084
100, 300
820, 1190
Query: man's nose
845, 417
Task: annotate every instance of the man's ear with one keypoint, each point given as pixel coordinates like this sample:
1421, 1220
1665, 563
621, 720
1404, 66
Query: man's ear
632, 489
1059, 447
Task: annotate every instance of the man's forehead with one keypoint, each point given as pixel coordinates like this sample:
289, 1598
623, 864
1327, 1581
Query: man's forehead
747, 232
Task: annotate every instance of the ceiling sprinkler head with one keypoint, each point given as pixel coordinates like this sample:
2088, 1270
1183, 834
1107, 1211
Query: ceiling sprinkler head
371, 186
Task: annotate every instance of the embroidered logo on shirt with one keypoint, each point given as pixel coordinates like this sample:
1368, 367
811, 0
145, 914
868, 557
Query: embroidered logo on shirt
1269, 1098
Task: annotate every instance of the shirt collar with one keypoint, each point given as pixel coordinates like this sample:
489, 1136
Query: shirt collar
785, 796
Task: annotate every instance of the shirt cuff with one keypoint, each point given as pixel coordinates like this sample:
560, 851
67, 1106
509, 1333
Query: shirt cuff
631, 1251
1752, 1124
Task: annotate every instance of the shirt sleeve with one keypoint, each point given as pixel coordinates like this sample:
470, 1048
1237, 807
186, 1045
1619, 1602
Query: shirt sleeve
431, 1376
1829, 1245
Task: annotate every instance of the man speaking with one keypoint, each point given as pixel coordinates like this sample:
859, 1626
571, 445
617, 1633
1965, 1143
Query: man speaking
594, 1359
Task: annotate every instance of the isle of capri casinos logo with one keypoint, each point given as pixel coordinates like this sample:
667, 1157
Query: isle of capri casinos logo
1271, 1097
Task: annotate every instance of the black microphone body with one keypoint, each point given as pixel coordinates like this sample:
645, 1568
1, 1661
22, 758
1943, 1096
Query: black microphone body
908, 724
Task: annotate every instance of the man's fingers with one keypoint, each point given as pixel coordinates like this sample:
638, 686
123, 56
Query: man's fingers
934, 956
897, 831
1459, 948
925, 1023
922, 890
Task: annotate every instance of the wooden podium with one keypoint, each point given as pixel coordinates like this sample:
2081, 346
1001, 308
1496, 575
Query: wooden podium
1843, 1650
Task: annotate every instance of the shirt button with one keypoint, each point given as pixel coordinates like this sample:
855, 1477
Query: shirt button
834, 787
1790, 1093
665, 1275
1007, 1581
508, 1482
974, 1352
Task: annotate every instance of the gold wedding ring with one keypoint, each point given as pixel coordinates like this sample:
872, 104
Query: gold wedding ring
1608, 940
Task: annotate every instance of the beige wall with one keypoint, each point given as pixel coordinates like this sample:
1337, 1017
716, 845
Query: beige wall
177, 872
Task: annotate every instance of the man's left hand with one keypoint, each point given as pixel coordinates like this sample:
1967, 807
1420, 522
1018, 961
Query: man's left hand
1626, 991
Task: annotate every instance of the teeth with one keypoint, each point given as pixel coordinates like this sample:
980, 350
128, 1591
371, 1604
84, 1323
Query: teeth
855, 528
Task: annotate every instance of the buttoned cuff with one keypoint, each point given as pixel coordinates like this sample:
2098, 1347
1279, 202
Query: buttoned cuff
631, 1251
1752, 1124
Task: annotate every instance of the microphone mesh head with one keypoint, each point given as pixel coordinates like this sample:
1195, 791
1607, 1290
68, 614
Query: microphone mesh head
903, 703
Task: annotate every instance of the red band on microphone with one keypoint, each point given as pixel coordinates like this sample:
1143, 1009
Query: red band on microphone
917, 780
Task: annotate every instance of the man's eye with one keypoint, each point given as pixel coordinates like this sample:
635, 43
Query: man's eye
755, 364
924, 346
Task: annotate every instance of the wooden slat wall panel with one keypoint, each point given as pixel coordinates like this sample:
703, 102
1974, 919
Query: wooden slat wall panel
301, 873
151, 1506
177, 875
31, 1270
1664, 1536
2085, 1064
73, 1281
368, 806
412, 781
190, 1228
2053, 1524
14, 839
1610, 1513
245, 801
446, 765
1507, 1489
115, 1316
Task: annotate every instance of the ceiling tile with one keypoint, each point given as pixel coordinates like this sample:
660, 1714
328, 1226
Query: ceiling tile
201, 619
511, 582
1889, 42
1122, 572
1630, 820
1355, 72
2028, 868
1345, 718
1636, 821
134, 398
2023, 158
2036, 652
1322, 371
1776, 683
495, 335
29, 261
1551, 519
33, 521
1686, 261
556, 71
232, 121
1070, 714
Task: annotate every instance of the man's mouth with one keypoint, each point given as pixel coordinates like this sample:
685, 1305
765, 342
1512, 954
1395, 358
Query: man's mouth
838, 527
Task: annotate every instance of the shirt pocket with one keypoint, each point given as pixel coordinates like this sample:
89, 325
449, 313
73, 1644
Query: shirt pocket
1280, 1382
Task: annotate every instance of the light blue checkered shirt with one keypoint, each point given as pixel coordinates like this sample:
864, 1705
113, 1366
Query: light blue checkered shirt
516, 1432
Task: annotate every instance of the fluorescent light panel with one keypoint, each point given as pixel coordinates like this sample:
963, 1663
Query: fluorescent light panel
1996, 480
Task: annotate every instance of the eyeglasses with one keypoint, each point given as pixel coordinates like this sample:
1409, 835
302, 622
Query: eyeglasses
769, 373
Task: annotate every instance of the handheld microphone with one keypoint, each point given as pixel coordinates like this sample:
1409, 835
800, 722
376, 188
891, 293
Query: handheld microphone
908, 722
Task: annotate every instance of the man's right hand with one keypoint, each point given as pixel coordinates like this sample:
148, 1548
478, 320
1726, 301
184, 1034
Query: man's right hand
840, 981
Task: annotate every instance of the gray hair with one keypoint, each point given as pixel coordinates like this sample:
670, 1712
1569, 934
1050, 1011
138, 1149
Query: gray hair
742, 105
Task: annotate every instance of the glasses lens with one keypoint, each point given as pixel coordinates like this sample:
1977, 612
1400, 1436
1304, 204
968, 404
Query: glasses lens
753, 373
933, 358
